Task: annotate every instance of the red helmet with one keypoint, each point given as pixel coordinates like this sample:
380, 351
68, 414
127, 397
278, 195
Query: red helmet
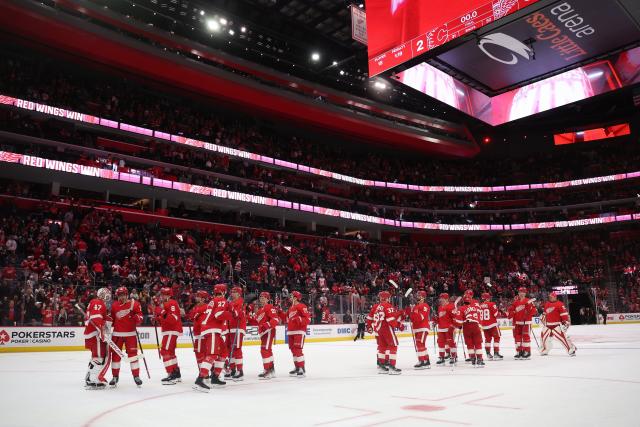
202, 294
166, 291
237, 289
486, 295
384, 295
122, 291
469, 293
467, 297
522, 289
422, 294
444, 295
553, 294
220, 288
265, 295
297, 295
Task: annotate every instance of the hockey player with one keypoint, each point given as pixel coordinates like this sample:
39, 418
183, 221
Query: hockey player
521, 312
445, 330
171, 326
384, 318
298, 318
126, 315
556, 321
196, 314
489, 322
420, 315
96, 334
468, 317
237, 331
214, 323
266, 319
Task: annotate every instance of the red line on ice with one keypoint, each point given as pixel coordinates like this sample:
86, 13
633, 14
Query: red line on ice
368, 413
435, 400
417, 418
135, 402
473, 403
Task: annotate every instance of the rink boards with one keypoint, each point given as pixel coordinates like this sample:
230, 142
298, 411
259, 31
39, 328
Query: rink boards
40, 338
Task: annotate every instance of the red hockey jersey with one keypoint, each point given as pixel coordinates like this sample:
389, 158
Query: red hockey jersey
382, 314
96, 313
522, 311
298, 318
469, 313
216, 316
446, 315
126, 316
420, 318
489, 314
239, 318
170, 319
196, 315
266, 318
555, 313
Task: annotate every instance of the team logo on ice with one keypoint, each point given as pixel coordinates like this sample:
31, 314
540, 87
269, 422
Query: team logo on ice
514, 47
4, 337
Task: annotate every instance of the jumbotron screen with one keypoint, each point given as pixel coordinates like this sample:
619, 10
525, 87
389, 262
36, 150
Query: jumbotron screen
399, 30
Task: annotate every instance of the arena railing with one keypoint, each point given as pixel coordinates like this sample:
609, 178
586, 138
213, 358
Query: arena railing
96, 172
261, 159
304, 194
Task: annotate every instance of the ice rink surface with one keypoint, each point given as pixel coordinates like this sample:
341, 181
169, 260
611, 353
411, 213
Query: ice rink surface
599, 387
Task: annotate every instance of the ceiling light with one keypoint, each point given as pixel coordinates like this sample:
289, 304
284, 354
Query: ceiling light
315, 56
201, 12
231, 32
243, 29
380, 85
342, 72
213, 25
223, 21
334, 63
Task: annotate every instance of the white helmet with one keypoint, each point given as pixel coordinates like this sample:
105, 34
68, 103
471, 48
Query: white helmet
104, 294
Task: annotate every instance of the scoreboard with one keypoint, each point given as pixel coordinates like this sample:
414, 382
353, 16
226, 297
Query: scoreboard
400, 30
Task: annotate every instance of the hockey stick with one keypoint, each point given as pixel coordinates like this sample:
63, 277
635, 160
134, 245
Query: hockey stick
464, 350
140, 345
142, 352
108, 340
155, 328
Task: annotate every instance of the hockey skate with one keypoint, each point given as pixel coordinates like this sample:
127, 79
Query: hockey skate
473, 361
393, 370
229, 373
518, 355
294, 372
526, 355
217, 382
480, 363
267, 374
172, 378
300, 373
453, 361
138, 381
489, 356
238, 376
422, 365
114, 382
497, 356
572, 351
201, 386
440, 362
382, 369
469, 360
